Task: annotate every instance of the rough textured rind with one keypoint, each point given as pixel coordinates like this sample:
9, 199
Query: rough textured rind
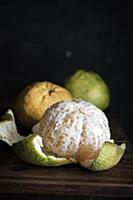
90, 87
75, 129
33, 101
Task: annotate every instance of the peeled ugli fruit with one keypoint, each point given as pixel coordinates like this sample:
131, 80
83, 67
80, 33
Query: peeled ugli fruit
74, 129
89, 86
34, 100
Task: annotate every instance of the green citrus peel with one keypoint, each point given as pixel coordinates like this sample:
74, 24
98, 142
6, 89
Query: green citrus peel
29, 148
108, 157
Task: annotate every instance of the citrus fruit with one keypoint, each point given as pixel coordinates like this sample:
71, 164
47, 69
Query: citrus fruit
34, 100
74, 129
89, 86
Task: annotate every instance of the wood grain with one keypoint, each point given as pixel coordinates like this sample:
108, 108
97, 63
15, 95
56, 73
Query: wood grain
22, 178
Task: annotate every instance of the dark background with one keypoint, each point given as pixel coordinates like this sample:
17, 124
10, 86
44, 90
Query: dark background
49, 41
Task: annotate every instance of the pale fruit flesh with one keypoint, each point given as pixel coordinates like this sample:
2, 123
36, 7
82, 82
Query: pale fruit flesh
74, 128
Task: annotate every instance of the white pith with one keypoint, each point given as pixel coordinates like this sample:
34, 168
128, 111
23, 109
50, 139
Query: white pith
8, 130
37, 142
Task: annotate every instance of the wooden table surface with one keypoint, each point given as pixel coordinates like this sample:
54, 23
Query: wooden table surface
17, 177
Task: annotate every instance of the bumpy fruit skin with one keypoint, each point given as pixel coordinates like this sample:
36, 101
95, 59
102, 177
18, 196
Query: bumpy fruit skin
34, 100
89, 86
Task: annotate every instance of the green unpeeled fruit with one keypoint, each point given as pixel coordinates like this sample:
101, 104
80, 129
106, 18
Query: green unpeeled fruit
29, 148
89, 86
